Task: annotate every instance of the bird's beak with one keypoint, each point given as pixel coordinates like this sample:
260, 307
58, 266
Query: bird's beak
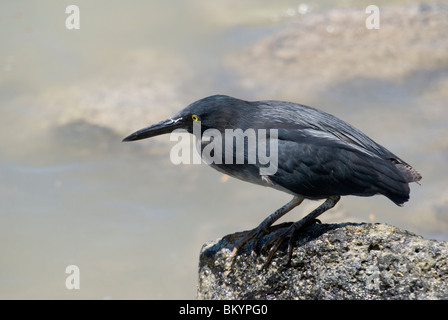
162, 127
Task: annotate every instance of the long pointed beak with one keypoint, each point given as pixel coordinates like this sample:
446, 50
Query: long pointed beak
162, 127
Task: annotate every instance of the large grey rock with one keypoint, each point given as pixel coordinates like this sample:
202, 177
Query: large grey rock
331, 261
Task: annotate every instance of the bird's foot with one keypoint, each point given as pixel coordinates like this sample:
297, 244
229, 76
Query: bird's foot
256, 234
264, 228
291, 232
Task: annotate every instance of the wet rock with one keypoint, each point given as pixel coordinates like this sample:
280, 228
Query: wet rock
331, 261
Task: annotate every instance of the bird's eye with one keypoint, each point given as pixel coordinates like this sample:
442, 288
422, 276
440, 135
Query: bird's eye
195, 117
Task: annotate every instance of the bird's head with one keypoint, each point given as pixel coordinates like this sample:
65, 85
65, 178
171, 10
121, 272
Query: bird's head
204, 110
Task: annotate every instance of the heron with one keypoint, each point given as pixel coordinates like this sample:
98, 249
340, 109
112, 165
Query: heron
320, 157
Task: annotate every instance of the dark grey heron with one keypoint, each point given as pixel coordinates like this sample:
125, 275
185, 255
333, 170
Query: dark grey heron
319, 157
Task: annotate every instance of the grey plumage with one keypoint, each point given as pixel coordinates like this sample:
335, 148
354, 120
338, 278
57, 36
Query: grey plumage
319, 155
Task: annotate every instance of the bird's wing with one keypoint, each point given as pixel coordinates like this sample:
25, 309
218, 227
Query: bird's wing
306, 121
311, 123
318, 166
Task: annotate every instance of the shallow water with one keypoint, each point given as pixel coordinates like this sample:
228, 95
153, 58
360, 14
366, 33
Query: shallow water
72, 193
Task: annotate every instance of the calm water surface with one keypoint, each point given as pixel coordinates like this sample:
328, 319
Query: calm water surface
72, 193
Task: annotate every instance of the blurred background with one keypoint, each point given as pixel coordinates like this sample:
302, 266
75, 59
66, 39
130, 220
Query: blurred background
134, 223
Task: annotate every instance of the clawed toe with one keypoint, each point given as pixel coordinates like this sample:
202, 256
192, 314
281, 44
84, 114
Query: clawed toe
289, 231
276, 241
257, 234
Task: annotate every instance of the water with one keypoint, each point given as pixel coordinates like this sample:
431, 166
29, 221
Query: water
72, 193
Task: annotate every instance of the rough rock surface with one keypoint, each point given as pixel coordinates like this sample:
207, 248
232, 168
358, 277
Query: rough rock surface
331, 261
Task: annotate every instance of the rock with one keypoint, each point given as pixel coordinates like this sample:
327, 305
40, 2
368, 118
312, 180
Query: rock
330, 261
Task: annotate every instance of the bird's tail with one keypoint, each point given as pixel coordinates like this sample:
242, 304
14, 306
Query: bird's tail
401, 194
409, 173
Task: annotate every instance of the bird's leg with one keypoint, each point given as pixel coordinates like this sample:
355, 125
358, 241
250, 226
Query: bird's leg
291, 232
263, 228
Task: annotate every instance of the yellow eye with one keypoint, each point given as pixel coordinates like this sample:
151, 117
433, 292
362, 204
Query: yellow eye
195, 117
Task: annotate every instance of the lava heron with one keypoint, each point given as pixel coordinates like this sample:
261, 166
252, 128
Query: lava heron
318, 157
